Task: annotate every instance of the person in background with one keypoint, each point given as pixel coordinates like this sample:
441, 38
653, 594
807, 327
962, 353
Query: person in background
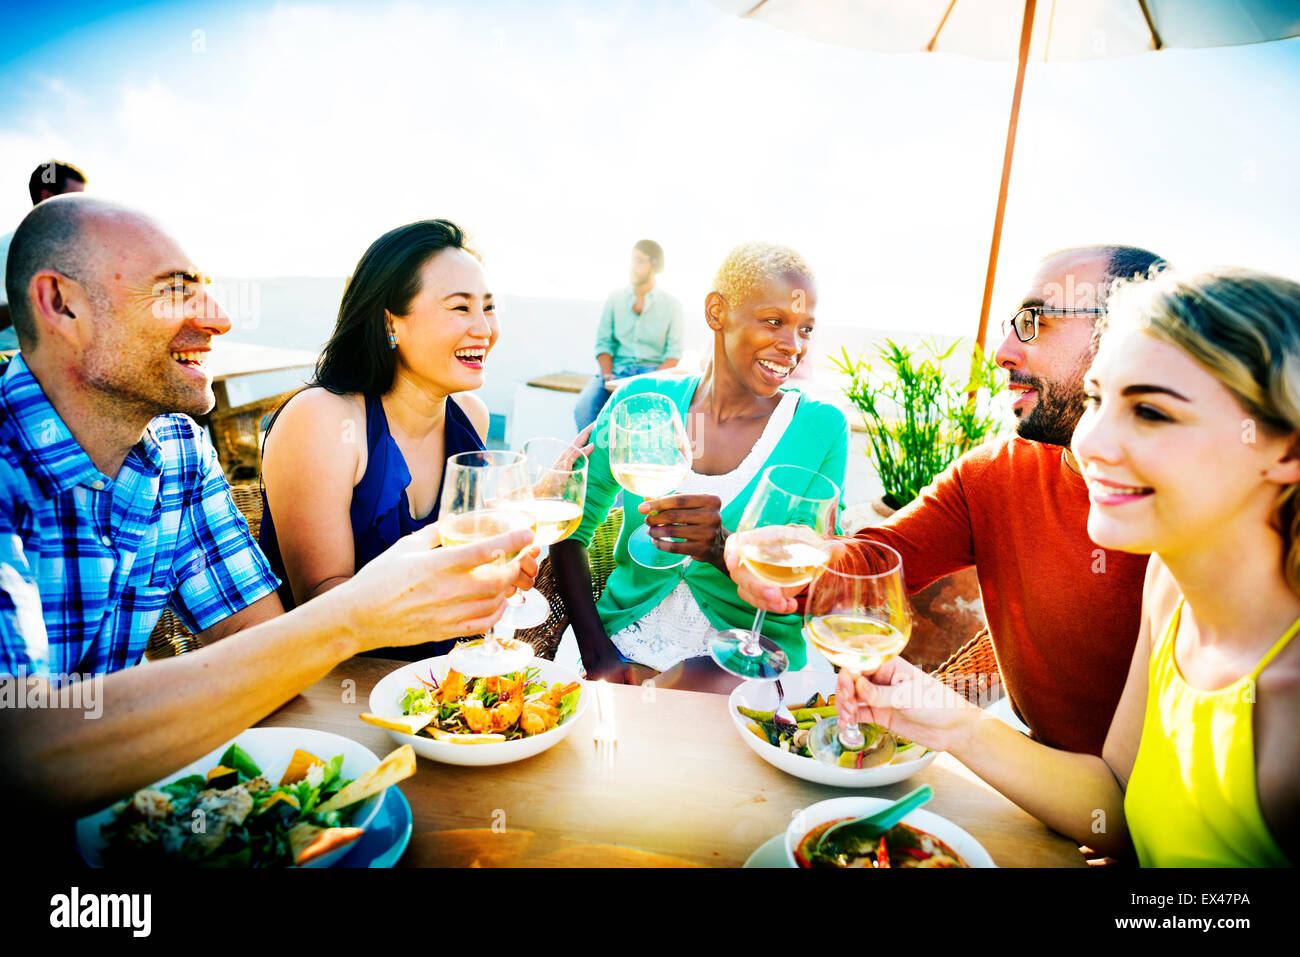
744, 418
113, 505
1062, 613
51, 178
355, 461
640, 331
1190, 448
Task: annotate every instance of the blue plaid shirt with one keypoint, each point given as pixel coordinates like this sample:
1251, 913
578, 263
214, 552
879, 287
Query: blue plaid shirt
87, 563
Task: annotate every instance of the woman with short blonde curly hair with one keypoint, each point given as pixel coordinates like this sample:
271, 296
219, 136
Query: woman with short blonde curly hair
1190, 445
745, 417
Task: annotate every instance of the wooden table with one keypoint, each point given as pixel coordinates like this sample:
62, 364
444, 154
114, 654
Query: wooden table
683, 789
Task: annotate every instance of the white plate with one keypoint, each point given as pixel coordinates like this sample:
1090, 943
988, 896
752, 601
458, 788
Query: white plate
969, 849
799, 687
271, 750
386, 699
771, 854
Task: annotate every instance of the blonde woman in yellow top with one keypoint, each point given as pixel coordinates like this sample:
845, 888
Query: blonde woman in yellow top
1190, 446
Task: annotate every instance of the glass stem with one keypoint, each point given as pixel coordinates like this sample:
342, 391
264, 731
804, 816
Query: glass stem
504, 628
750, 647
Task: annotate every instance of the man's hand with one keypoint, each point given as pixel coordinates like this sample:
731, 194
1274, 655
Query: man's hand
696, 519
760, 594
417, 591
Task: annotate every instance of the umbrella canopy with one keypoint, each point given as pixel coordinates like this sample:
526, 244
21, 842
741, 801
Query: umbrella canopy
1062, 30
1025, 30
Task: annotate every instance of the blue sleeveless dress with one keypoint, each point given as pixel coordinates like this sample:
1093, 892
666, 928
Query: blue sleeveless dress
380, 512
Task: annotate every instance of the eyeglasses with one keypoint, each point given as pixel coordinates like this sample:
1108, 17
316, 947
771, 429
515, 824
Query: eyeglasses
1025, 322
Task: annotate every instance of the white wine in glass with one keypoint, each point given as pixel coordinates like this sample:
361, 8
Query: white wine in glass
557, 471
786, 556
469, 527
649, 456
556, 518
783, 540
648, 479
857, 615
856, 642
485, 494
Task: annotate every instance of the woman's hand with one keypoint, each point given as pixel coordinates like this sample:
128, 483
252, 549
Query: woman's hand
619, 672
904, 699
552, 482
418, 591
582, 443
528, 569
696, 519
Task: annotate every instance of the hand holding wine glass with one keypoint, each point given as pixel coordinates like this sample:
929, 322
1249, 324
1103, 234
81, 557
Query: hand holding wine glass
782, 541
557, 473
856, 615
485, 494
756, 591
649, 456
903, 698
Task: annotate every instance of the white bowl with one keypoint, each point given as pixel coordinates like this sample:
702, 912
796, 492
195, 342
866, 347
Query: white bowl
799, 687
271, 750
969, 849
386, 701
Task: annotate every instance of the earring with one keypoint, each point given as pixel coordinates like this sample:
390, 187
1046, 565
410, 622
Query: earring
392, 339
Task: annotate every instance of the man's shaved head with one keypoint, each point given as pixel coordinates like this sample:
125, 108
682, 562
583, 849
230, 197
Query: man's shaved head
65, 234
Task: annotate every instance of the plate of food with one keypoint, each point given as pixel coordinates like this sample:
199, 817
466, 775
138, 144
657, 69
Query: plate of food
448, 717
921, 839
387, 835
272, 797
809, 695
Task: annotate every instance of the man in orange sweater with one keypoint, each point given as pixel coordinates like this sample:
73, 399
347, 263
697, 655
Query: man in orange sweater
1062, 612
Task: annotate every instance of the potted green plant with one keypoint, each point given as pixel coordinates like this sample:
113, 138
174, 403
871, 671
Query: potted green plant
920, 415
924, 407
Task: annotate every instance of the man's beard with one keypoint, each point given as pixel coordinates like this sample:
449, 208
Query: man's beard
1054, 415
133, 386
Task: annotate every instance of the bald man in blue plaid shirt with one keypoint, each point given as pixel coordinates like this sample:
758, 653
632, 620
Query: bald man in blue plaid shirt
113, 506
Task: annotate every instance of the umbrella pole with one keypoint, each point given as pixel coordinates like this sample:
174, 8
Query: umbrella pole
1026, 28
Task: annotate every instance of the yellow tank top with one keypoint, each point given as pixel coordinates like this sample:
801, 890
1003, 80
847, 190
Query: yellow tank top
1191, 799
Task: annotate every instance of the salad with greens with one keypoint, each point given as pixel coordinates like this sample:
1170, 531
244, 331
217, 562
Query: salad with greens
477, 710
235, 817
881, 745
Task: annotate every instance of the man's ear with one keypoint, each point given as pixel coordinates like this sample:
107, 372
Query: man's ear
715, 311
58, 301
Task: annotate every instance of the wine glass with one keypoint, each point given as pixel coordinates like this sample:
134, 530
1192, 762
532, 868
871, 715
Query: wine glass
857, 615
783, 541
557, 471
649, 455
486, 494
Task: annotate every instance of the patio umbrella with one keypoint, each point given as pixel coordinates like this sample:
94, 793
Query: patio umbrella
1051, 30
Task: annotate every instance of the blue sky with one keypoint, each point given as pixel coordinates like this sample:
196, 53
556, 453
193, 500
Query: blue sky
280, 139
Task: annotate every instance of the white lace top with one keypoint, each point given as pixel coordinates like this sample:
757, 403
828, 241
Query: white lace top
676, 628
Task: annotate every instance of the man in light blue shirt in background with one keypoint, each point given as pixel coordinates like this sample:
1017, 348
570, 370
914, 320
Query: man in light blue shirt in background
51, 178
640, 331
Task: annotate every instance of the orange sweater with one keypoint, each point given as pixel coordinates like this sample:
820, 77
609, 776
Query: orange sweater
1063, 613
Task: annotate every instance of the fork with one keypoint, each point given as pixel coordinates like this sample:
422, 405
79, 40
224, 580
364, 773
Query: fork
605, 735
781, 715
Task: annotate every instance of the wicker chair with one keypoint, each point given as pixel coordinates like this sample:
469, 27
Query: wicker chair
170, 637
545, 638
237, 432
972, 671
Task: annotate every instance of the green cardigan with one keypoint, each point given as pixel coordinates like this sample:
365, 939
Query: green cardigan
817, 438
